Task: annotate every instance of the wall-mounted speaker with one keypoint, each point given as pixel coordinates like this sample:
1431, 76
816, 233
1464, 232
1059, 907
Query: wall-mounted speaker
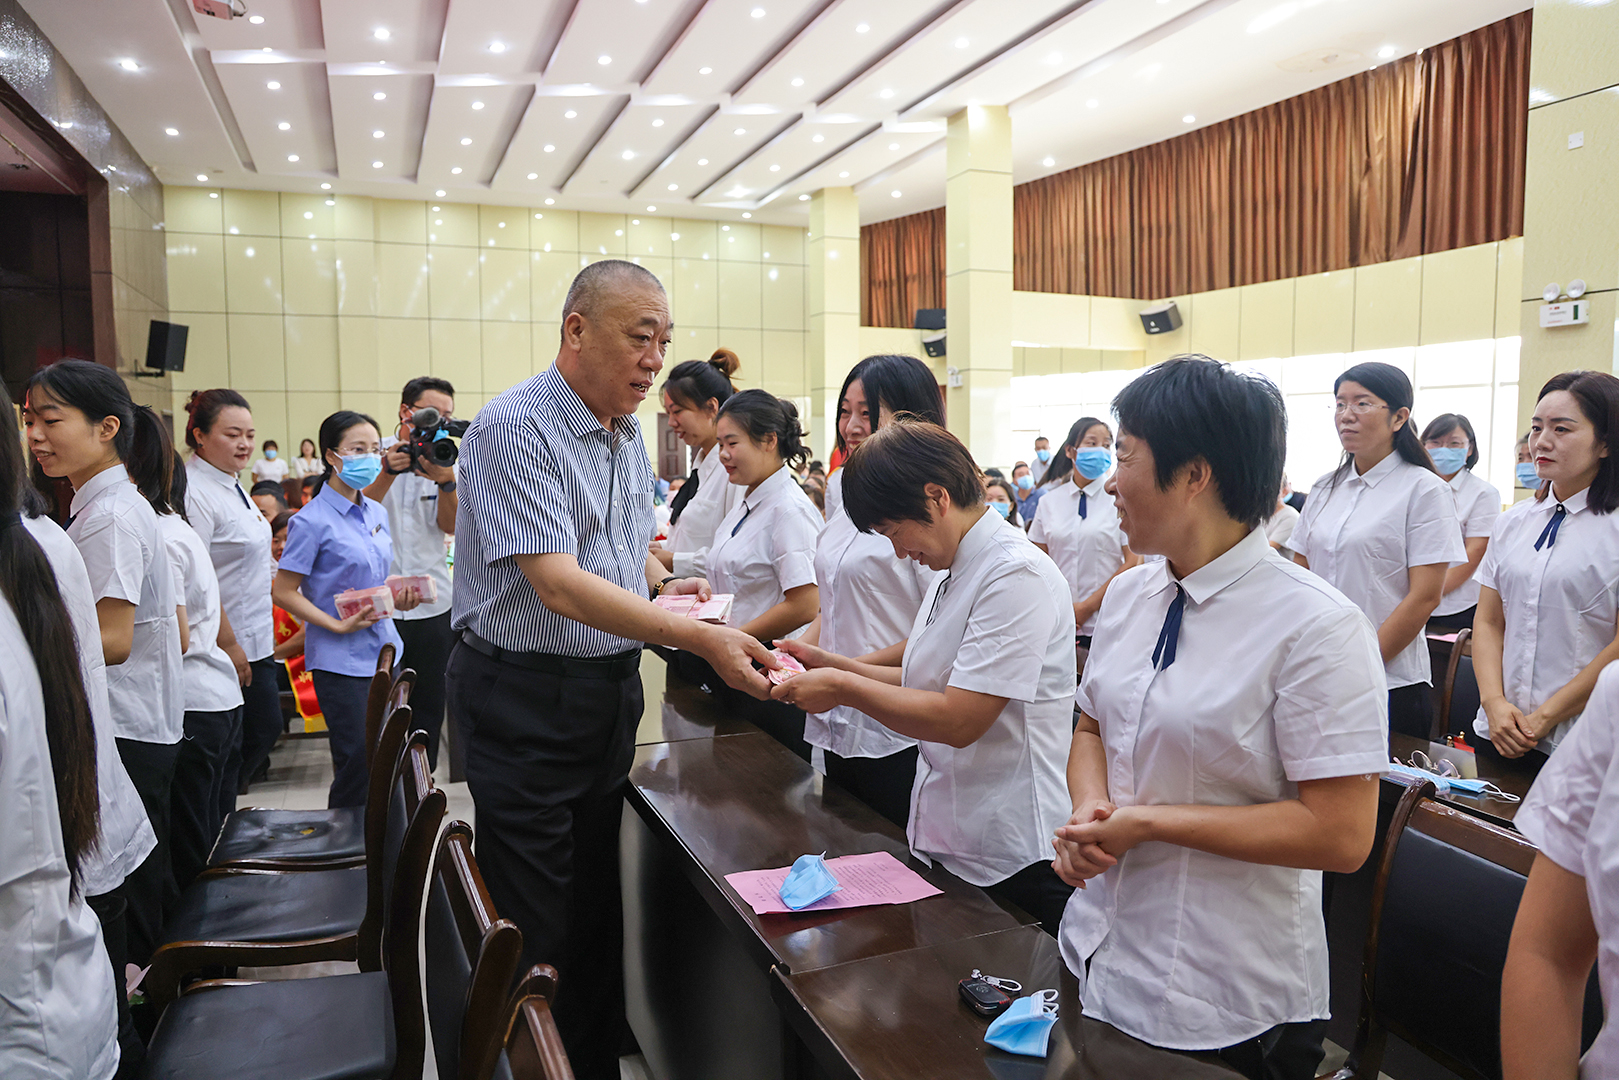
166, 346
1161, 318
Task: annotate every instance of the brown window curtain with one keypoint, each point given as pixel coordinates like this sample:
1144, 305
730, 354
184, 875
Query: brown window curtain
901, 268
1420, 155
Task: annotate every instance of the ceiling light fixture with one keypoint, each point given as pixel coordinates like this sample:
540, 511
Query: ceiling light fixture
652, 209
549, 147
1048, 161
128, 65
604, 59
379, 96
466, 142
497, 46
456, 171
1188, 119
893, 146
533, 176
309, 215
381, 33
256, 20
757, 13
376, 164
1092, 103
803, 198
1387, 52
202, 178
476, 105
272, 85
171, 131
746, 215
798, 81
436, 209
628, 155
569, 115
886, 94
292, 157
702, 161
817, 137
378, 134
284, 126
674, 187
705, 71
740, 131
862, 28
775, 168
549, 202
326, 187
213, 194
331, 202
439, 193
658, 122
896, 194
843, 175
962, 43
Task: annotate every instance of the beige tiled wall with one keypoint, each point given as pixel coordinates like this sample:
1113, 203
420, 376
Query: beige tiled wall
308, 304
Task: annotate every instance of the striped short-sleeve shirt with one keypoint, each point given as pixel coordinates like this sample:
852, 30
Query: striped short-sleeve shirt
539, 475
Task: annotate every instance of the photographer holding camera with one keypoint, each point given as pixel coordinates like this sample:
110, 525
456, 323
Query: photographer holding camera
417, 488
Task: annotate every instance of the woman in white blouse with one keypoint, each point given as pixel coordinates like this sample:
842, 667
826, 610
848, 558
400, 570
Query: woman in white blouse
984, 681
1548, 610
270, 467
1381, 528
692, 396
83, 426
1076, 524
1568, 918
869, 594
308, 462
764, 551
1453, 447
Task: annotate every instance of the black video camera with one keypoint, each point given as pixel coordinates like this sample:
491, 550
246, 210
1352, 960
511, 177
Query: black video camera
431, 438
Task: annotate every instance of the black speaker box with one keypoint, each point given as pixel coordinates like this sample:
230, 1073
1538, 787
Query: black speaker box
166, 346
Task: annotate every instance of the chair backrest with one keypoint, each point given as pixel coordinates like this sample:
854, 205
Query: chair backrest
471, 962
423, 807
1443, 905
534, 1049
376, 700
386, 815
1459, 698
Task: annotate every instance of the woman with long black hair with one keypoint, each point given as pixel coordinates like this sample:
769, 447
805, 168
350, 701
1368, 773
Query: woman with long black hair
83, 426
692, 396
1381, 528
58, 1014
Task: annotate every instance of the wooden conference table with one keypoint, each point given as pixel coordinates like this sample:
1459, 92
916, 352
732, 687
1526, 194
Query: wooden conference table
716, 991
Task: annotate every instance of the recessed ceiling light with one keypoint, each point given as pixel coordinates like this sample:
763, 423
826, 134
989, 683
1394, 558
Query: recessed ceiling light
456, 171
740, 131
569, 115
213, 194
798, 81
674, 236
292, 157
862, 28
202, 178
436, 209
674, 187
439, 193
267, 49
604, 59
309, 215
803, 198
377, 134
1188, 119
705, 71
466, 142
1387, 52
893, 146
757, 13
326, 187
272, 85
1092, 103
775, 168
331, 202
549, 147
652, 209
1054, 58
628, 155
256, 20
376, 164
533, 176
725, 228
658, 122
381, 33
379, 96
886, 94
817, 137
896, 194
702, 161
171, 131
284, 126
549, 202
961, 43
746, 215
1048, 161
497, 46
477, 105
843, 175
128, 65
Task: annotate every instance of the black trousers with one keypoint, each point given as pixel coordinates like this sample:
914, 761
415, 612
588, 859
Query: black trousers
343, 699
1411, 710
884, 783
1285, 1052
547, 761
195, 795
1037, 890
149, 885
110, 908
262, 723
427, 652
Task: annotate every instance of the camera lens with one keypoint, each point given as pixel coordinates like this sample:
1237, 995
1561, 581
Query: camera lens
444, 452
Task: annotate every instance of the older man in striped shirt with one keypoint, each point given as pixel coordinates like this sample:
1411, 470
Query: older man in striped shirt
552, 580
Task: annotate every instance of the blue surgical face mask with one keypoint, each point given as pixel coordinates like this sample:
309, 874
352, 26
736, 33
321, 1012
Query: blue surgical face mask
360, 470
270, 454
1003, 509
1025, 482
1043, 455
1449, 459
808, 881
1093, 461
1025, 1026
1526, 475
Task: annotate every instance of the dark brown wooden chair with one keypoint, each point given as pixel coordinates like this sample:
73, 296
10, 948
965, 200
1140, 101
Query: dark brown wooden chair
261, 838
268, 918
471, 962
1459, 692
1445, 898
534, 1048
362, 1026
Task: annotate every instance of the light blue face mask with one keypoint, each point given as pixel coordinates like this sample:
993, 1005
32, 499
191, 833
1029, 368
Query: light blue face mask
1093, 461
808, 881
1025, 1026
1449, 460
1003, 509
1448, 784
269, 455
360, 470
1526, 475
1043, 455
1025, 482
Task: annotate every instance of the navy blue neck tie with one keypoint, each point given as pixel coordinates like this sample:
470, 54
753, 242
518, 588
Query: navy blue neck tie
68, 524
741, 519
1548, 535
240, 494
1169, 636
934, 610
1082, 504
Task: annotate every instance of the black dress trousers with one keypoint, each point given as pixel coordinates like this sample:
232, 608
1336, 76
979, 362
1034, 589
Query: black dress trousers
548, 758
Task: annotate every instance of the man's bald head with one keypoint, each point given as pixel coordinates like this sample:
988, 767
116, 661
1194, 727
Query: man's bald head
598, 283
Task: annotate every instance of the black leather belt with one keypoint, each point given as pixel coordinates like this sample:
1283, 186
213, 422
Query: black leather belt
618, 666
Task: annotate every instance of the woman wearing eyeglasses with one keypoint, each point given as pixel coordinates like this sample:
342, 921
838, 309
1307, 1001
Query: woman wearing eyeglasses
1382, 529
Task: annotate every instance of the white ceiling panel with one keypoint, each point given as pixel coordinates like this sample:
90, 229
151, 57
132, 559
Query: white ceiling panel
833, 49
282, 25
550, 143
464, 144
499, 37
630, 34
643, 134
292, 122
730, 43
401, 116
410, 30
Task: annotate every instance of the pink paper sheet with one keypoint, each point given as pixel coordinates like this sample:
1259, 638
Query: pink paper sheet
877, 878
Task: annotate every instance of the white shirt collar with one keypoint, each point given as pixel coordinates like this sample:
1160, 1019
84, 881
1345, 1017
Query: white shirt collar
1573, 504
1094, 488
976, 539
1209, 579
769, 488
93, 487
1458, 481
1375, 475
211, 471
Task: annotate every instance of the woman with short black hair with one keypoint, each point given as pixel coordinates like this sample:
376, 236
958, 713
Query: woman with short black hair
1453, 447
1381, 528
984, 681
1230, 734
1548, 610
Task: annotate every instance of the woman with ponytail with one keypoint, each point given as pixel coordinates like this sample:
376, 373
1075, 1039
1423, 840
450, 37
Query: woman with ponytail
83, 427
692, 396
336, 542
1382, 530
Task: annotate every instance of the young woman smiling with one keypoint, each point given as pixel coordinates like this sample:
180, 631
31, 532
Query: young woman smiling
83, 426
1548, 610
692, 396
1382, 530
